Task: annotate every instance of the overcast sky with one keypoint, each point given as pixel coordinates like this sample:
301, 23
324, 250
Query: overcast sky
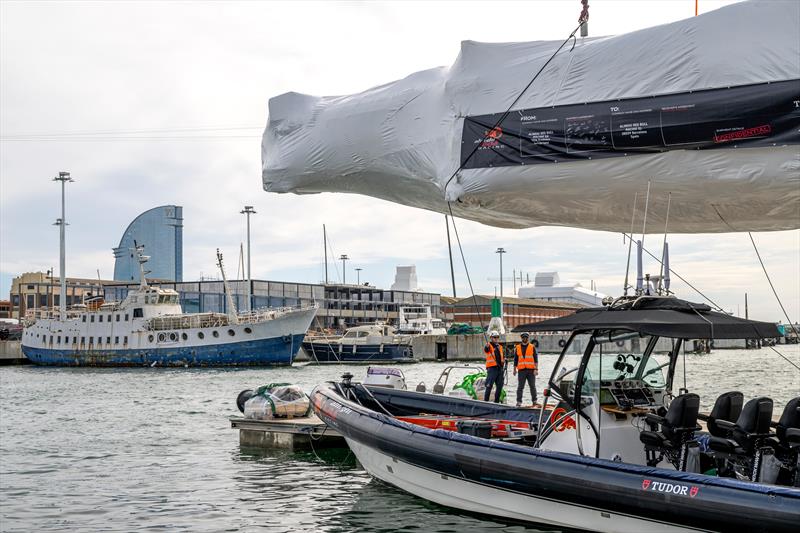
153, 103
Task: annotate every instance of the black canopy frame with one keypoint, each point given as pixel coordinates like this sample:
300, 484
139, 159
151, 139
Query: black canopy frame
654, 316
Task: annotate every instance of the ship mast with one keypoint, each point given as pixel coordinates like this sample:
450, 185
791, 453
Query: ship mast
142, 260
232, 316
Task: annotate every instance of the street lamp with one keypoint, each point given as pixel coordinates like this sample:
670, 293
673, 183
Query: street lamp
63, 177
501, 251
358, 276
248, 210
344, 258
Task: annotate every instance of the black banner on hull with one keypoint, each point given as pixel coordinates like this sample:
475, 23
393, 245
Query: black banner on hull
752, 115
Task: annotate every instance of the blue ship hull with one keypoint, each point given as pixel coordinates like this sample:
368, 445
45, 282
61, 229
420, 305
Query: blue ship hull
321, 352
275, 351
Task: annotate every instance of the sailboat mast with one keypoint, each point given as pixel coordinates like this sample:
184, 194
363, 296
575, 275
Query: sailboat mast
325, 248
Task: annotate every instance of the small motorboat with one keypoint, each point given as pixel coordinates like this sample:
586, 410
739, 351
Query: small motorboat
370, 343
615, 446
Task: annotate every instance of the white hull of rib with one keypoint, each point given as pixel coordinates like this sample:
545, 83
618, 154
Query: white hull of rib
476, 497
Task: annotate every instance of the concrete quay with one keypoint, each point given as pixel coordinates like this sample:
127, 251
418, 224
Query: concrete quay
11, 353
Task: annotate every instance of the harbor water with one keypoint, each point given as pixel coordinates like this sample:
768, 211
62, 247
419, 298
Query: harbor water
152, 449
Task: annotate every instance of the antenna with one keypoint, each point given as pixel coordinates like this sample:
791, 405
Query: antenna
234, 319
630, 243
664, 246
666, 268
639, 278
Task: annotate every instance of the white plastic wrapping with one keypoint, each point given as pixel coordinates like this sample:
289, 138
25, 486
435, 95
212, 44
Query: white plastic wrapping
277, 401
402, 141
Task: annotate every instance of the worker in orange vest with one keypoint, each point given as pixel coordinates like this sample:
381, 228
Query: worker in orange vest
495, 367
526, 366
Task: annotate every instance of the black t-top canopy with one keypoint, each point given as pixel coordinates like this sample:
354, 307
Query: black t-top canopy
661, 316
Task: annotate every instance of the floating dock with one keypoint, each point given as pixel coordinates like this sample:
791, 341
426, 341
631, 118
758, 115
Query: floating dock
287, 433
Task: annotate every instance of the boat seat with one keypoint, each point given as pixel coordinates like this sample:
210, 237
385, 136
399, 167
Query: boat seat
677, 429
728, 407
750, 429
787, 432
743, 447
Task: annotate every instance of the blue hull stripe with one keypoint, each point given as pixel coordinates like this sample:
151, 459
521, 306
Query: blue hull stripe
275, 351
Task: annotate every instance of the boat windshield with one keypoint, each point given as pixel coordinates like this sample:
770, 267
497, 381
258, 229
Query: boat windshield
622, 356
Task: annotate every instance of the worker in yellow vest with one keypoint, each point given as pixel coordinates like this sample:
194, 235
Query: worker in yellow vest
526, 367
495, 367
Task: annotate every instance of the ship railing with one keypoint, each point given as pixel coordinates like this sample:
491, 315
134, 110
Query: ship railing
32, 315
268, 313
199, 320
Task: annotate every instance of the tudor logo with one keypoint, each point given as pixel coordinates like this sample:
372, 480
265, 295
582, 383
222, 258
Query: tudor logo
669, 488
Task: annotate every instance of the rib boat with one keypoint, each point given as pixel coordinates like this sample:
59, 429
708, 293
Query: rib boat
615, 445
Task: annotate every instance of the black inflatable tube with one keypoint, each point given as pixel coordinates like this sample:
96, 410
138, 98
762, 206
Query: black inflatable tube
717, 504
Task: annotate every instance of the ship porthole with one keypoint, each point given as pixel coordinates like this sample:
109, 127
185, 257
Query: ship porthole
231, 332
215, 333
248, 330
200, 335
173, 336
150, 338
184, 336
162, 337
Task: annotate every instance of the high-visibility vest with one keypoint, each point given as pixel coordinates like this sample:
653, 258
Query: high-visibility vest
525, 360
490, 359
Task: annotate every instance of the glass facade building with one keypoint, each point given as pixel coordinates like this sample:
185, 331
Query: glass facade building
160, 230
339, 305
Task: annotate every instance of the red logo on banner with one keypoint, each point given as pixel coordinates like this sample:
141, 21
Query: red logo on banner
495, 133
645, 484
693, 491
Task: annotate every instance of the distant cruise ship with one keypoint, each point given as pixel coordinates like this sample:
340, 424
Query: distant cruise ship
149, 328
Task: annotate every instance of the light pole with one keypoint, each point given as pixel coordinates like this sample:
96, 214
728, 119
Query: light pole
63, 177
501, 251
344, 258
358, 276
248, 210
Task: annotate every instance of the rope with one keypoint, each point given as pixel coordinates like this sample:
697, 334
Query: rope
466, 270
584, 16
764, 268
786, 358
508, 110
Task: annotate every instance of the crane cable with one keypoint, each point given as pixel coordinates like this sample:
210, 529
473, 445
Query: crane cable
582, 19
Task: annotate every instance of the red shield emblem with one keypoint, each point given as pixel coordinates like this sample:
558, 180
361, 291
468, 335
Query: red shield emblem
693, 491
645, 484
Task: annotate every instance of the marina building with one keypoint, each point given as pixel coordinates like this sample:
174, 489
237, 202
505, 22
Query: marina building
160, 230
38, 290
547, 286
516, 311
340, 305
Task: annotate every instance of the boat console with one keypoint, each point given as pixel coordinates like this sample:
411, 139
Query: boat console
626, 394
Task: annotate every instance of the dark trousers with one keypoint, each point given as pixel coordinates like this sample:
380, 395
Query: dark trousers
494, 376
526, 376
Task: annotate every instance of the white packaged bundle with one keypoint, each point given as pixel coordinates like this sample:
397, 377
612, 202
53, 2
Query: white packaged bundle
705, 109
